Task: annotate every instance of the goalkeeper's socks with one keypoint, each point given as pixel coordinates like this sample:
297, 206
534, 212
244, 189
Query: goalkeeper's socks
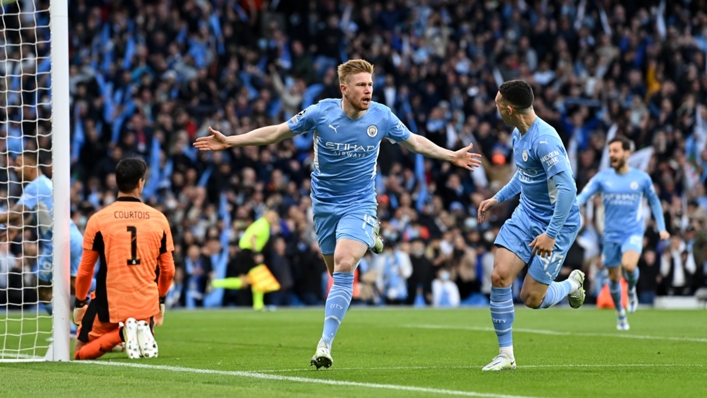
615, 290
337, 303
502, 316
48, 307
227, 283
632, 278
556, 292
72, 329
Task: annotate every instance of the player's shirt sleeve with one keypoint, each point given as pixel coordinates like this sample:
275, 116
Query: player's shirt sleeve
566, 193
85, 274
551, 153
654, 201
592, 187
304, 121
88, 259
396, 131
89, 235
29, 197
166, 263
509, 190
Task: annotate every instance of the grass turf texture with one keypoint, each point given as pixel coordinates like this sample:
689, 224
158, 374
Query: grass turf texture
560, 353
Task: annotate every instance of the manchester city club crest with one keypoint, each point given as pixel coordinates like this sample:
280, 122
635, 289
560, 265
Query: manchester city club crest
634, 185
372, 130
524, 155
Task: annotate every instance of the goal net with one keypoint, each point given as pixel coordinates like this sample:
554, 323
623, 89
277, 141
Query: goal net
34, 181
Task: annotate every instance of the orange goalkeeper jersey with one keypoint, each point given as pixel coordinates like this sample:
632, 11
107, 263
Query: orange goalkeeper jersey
134, 244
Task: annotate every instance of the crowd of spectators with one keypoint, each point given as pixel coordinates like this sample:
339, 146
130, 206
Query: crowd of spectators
149, 77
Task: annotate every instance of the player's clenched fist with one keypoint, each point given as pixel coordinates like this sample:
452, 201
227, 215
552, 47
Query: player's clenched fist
485, 206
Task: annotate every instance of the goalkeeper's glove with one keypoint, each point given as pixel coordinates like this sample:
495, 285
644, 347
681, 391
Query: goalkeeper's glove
160, 318
80, 307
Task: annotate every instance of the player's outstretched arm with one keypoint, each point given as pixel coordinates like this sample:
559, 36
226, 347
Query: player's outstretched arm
589, 190
263, 136
461, 158
657, 209
508, 191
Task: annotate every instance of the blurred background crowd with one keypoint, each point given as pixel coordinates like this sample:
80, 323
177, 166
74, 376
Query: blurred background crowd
149, 77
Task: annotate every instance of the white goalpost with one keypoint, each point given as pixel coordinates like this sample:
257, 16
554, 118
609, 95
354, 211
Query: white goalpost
34, 117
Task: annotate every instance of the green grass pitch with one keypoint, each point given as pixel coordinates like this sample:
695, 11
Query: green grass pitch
393, 353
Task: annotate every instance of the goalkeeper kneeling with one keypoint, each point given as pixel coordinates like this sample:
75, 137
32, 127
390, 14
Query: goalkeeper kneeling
134, 241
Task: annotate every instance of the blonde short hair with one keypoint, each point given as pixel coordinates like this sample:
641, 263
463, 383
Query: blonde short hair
353, 67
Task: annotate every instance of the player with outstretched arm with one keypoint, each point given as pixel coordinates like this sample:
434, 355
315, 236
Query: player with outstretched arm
347, 136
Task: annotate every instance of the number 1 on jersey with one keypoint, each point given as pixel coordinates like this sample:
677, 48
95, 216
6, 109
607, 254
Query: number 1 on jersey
133, 260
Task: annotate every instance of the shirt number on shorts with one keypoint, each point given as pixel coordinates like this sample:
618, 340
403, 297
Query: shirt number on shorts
555, 259
636, 240
133, 260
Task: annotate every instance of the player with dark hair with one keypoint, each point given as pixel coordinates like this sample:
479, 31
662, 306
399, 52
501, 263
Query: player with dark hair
623, 189
541, 229
132, 240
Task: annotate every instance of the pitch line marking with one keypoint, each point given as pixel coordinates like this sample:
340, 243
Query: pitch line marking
559, 333
521, 366
263, 376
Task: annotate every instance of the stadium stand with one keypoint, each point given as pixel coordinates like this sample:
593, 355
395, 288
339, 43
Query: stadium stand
149, 77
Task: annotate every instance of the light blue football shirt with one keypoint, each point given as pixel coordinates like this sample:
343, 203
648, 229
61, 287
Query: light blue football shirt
539, 155
346, 150
623, 196
37, 196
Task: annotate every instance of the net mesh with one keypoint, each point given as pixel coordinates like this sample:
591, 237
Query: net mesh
25, 126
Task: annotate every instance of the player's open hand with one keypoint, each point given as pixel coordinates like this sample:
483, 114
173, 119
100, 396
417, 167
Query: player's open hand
664, 235
542, 245
215, 142
79, 312
464, 158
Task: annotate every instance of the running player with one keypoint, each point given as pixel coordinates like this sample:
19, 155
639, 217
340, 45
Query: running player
622, 191
544, 226
347, 136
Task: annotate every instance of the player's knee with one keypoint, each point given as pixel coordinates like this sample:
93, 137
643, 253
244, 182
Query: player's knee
629, 267
531, 300
343, 263
615, 274
500, 278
